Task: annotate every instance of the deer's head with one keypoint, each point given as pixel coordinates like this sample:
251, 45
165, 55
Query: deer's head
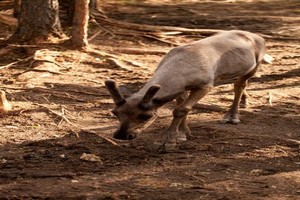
134, 112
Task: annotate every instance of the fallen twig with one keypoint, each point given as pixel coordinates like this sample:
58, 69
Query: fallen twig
23, 45
118, 63
12, 88
13, 63
103, 137
62, 114
139, 51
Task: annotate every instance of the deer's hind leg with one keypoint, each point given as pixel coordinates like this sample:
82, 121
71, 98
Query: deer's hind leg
240, 96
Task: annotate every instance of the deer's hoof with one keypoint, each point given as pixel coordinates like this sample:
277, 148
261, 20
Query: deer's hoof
243, 105
181, 138
230, 121
235, 121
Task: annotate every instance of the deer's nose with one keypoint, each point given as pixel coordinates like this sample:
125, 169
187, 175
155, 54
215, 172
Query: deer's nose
120, 137
131, 136
124, 135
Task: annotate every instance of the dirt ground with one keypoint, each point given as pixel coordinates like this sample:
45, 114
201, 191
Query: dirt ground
41, 144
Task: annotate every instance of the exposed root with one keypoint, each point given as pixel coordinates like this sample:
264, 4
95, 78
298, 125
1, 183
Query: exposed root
39, 70
158, 32
138, 51
114, 58
163, 34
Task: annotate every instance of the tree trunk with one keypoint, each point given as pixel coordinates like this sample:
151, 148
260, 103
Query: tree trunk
17, 4
80, 24
38, 21
68, 7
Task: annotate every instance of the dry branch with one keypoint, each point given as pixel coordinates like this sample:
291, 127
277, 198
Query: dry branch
16, 62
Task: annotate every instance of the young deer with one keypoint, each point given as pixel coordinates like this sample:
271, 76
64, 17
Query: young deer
187, 73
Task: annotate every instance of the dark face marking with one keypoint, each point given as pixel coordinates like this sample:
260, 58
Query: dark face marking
132, 119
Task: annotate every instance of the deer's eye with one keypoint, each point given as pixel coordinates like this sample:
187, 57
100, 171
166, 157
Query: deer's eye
144, 117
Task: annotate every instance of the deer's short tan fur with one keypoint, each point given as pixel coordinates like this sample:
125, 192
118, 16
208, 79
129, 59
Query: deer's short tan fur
187, 73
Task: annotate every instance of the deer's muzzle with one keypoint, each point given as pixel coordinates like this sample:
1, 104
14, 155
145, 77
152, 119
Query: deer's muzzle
123, 133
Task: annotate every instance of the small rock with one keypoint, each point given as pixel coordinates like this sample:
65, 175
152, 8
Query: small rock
90, 157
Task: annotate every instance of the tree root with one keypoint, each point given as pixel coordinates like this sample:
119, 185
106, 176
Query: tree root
114, 59
159, 33
138, 51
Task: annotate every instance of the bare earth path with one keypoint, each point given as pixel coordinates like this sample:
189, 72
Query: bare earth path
41, 145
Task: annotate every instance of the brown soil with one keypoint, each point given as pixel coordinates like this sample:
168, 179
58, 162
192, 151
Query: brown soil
41, 144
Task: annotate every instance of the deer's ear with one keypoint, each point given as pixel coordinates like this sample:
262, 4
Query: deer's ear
125, 91
114, 92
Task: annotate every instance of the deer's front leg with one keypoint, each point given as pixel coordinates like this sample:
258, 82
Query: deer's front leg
183, 129
171, 137
168, 140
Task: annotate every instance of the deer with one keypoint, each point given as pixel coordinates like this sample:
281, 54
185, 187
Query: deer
186, 74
